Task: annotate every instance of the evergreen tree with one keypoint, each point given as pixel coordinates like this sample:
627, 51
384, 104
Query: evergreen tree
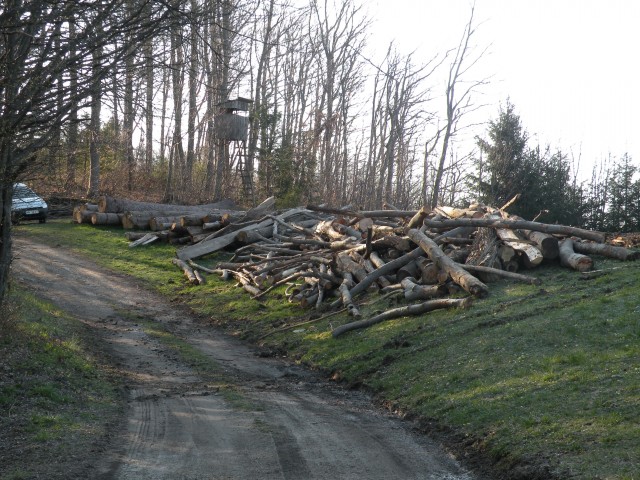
623, 212
543, 179
506, 163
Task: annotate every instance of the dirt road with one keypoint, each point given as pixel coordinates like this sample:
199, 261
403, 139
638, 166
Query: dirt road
278, 421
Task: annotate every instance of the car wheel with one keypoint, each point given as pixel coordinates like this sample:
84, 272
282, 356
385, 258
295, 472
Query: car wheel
43, 220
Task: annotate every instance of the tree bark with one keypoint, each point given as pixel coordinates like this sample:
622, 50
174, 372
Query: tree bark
98, 218
413, 291
531, 254
610, 251
502, 273
548, 244
570, 259
517, 224
461, 277
188, 271
107, 204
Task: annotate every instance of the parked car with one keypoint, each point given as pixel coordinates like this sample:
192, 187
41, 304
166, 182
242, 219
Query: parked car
27, 205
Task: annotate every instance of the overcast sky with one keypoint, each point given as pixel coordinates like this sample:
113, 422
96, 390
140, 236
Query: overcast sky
570, 67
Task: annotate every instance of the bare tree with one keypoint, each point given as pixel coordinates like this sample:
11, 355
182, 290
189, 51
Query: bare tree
149, 78
94, 127
32, 59
457, 105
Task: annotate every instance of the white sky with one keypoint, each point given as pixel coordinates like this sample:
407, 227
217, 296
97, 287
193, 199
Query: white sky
570, 67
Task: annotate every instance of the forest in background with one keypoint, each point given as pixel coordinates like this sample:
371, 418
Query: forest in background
327, 123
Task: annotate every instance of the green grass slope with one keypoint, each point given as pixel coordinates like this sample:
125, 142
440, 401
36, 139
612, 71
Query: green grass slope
546, 376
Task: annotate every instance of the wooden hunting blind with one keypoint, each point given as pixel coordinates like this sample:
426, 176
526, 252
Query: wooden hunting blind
230, 125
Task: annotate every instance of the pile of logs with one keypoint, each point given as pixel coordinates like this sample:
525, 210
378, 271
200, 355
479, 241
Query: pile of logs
177, 224
327, 258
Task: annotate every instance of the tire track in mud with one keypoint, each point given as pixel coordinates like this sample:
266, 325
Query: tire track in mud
181, 424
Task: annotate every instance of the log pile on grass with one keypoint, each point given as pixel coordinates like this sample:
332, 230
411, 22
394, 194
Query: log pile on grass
328, 258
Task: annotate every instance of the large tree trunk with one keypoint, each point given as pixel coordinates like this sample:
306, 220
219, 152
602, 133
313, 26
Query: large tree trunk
547, 244
118, 205
148, 54
531, 254
569, 258
485, 252
94, 142
619, 253
5, 223
460, 276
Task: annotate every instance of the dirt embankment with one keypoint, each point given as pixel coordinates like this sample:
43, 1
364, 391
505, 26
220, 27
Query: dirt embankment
242, 417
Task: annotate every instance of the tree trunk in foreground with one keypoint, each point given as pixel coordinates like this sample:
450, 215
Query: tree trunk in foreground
460, 276
576, 261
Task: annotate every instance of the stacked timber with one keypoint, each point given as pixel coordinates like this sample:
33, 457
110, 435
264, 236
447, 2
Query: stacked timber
141, 216
328, 258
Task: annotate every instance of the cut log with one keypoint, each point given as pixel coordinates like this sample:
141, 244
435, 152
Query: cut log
410, 270
506, 254
413, 291
188, 271
429, 271
547, 244
163, 222
326, 229
369, 267
517, 224
460, 276
107, 204
417, 309
392, 241
418, 218
193, 220
206, 247
247, 237
531, 254
82, 216
570, 259
451, 212
98, 218
209, 226
485, 252
458, 255
345, 264
345, 295
610, 251
133, 220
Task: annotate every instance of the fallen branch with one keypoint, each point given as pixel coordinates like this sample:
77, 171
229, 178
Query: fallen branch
502, 273
188, 271
416, 309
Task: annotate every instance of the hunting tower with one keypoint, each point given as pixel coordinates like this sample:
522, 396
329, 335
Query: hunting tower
232, 125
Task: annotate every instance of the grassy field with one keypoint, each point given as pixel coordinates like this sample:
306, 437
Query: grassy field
56, 397
532, 375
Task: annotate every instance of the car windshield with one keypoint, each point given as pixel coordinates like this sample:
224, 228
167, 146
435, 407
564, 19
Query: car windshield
22, 191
